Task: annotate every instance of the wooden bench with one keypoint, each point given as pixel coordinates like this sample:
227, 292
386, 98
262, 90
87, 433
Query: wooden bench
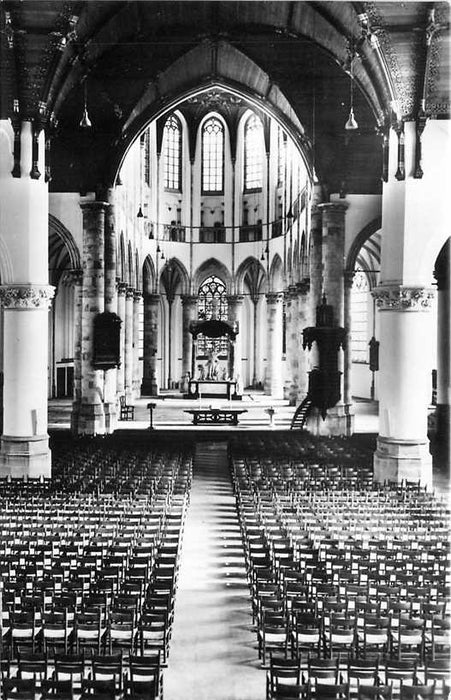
215, 416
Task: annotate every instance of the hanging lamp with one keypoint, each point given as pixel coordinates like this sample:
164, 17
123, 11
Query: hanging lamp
85, 122
351, 124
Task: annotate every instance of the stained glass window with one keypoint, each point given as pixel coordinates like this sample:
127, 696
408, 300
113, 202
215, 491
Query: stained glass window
212, 303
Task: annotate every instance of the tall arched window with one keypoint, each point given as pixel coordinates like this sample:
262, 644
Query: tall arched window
212, 303
172, 153
253, 154
359, 315
212, 156
281, 153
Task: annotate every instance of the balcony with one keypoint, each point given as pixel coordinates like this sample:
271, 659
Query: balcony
174, 232
212, 234
251, 233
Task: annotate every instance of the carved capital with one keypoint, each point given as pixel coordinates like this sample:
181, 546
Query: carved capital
121, 288
129, 292
348, 279
290, 294
334, 207
188, 300
26, 296
274, 297
235, 299
152, 299
399, 298
303, 287
137, 295
74, 277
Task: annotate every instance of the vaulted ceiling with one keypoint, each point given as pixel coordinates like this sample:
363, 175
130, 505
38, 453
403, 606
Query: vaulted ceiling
137, 59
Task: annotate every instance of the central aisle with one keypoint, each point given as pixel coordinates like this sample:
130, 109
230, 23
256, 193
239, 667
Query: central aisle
213, 652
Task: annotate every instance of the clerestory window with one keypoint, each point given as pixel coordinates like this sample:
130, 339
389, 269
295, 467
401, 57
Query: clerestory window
253, 154
172, 154
212, 157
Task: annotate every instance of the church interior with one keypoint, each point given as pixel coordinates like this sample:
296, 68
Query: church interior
225, 370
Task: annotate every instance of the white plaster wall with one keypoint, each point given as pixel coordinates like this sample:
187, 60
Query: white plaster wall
66, 207
415, 221
363, 208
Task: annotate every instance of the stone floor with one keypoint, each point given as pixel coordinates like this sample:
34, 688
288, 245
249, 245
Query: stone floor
213, 653
170, 413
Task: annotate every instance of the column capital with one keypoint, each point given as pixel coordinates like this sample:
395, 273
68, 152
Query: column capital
74, 276
188, 299
290, 293
129, 292
348, 278
26, 296
274, 297
137, 295
396, 297
303, 287
235, 298
121, 288
151, 298
94, 205
333, 207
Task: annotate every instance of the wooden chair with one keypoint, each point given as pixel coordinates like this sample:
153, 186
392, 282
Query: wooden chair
126, 412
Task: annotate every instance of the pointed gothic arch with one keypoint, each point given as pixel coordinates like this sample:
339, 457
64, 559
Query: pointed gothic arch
148, 276
212, 266
276, 276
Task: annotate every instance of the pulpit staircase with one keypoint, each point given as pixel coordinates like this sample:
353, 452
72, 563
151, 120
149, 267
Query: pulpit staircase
301, 414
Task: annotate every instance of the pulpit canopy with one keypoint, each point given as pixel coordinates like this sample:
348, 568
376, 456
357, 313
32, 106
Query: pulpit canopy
214, 329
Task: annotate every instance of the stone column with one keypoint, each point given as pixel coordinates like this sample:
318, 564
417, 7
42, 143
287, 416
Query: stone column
24, 444
333, 245
339, 419
121, 290
110, 375
235, 311
91, 419
303, 321
274, 381
404, 384
443, 416
189, 313
149, 386
347, 365
137, 301
292, 359
316, 276
128, 355
77, 276
316, 258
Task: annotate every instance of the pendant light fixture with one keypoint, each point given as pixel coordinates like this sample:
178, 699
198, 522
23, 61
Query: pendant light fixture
85, 122
351, 124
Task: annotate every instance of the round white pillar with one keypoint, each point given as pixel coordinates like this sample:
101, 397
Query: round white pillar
24, 444
235, 307
128, 370
274, 380
404, 384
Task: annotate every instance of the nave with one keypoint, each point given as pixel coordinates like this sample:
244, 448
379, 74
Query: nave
291, 555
